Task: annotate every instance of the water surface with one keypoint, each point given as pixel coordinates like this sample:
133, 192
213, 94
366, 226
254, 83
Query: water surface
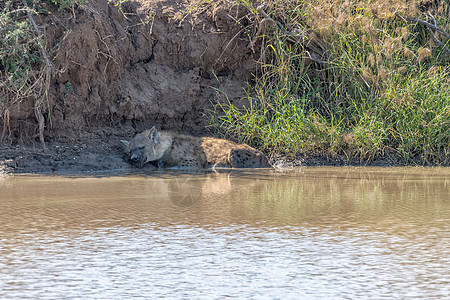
315, 233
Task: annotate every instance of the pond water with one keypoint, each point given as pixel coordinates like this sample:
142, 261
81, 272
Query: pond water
316, 233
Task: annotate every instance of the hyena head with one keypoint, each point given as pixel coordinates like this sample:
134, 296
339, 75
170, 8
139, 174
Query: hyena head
144, 147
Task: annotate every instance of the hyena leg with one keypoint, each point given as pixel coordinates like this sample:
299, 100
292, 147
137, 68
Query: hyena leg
160, 164
247, 158
240, 158
157, 163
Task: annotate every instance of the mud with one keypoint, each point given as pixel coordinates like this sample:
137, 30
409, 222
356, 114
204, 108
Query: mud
80, 158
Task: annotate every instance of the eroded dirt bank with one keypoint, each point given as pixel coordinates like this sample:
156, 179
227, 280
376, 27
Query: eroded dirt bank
119, 70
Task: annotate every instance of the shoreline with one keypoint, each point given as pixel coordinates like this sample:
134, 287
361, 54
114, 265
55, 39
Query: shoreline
109, 157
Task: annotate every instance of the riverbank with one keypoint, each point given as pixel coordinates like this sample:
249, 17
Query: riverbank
340, 83
109, 157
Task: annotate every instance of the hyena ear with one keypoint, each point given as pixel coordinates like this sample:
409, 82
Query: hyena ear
125, 144
153, 135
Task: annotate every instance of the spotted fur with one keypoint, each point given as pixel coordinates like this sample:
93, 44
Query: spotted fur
167, 149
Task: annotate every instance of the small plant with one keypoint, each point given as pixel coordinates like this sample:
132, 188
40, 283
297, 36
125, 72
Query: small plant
18, 48
118, 3
68, 86
67, 4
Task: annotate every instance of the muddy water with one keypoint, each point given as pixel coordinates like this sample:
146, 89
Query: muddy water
309, 233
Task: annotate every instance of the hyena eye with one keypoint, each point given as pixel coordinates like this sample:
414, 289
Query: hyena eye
141, 147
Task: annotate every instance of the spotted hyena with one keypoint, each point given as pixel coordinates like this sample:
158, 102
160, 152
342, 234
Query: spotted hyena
166, 149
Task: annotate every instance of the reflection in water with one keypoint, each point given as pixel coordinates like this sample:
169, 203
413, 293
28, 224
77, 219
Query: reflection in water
313, 232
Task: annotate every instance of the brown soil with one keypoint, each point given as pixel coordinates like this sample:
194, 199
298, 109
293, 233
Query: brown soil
118, 72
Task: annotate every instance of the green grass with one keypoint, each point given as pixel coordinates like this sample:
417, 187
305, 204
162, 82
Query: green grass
18, 48
384, 90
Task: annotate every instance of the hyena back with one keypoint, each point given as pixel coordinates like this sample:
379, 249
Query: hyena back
167, 149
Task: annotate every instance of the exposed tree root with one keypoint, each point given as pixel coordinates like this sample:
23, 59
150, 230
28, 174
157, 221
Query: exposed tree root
43, 95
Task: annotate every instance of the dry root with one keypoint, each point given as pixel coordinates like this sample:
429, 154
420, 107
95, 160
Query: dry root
431, 28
